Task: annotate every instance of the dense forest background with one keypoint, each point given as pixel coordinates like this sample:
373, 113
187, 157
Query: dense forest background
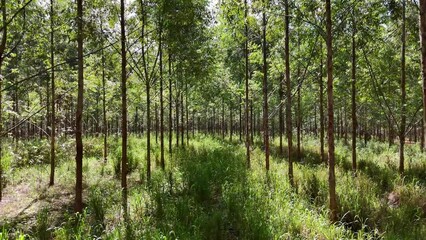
196, 119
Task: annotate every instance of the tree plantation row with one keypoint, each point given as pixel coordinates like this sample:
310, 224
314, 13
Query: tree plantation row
264, 75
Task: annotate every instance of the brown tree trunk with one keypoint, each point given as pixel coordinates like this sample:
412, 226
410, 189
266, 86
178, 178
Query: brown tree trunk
2, 49
281, 117
79, 113
104, 119
182, 115
186, 113
353, 95
53, 118
330, 130
299, 122
423, 47
247, 117
163, 165
123, 113
148, 97
170, 107
403, 95
265, 88
288, 94
321, 109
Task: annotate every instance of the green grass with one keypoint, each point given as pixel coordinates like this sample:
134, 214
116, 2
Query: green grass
206, 192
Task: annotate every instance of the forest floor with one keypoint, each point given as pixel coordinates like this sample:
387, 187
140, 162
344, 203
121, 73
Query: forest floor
207, 192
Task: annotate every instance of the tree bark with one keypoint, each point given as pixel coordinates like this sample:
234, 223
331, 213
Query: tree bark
423, 47
265, 88
353, 95
79, 113
124, 166
163, 165
170, 107
289, 126
2, 49
321, 109
53, 118
403, 94
330, 130
104, 119
247, 117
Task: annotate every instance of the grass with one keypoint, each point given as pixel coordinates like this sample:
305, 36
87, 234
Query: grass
206, 192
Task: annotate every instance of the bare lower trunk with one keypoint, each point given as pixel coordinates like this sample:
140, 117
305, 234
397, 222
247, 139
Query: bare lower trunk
53, 119
403, 95
423, 60
330, 130
79, 113
265, 89
288, 95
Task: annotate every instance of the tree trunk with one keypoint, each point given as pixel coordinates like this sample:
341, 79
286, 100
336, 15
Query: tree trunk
79, 113
148, 98
321, 109
247, 117
163, 165
423, 47
281, 117
353, 95
265, 88
170, 107
330, 130
403, 95
53, 118
104, 125
2, 49
124, 166
288, 94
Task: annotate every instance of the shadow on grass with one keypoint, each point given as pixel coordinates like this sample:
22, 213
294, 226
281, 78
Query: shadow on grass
210, 197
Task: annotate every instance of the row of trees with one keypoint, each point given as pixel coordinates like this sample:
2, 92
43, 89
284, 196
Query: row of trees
206, 69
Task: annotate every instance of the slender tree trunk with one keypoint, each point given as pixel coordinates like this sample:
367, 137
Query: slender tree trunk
187, 113
423, 47
247, 117
288, 94
170, 107
403, 94
124, 166
53, 118
2, 49
330, 133
281, 117
148, 98
353, 96
223, 119
321, 109
104, 119
182, 115
177, 114
231, 118
79, 113
422, 135
299, 121
265, 88
299, 110
148, 129
163, 165
156, 119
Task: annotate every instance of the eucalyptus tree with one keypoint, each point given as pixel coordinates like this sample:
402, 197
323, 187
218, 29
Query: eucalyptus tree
79, 113
288, 92
330, 130
53, 96
422, 24
124, 160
